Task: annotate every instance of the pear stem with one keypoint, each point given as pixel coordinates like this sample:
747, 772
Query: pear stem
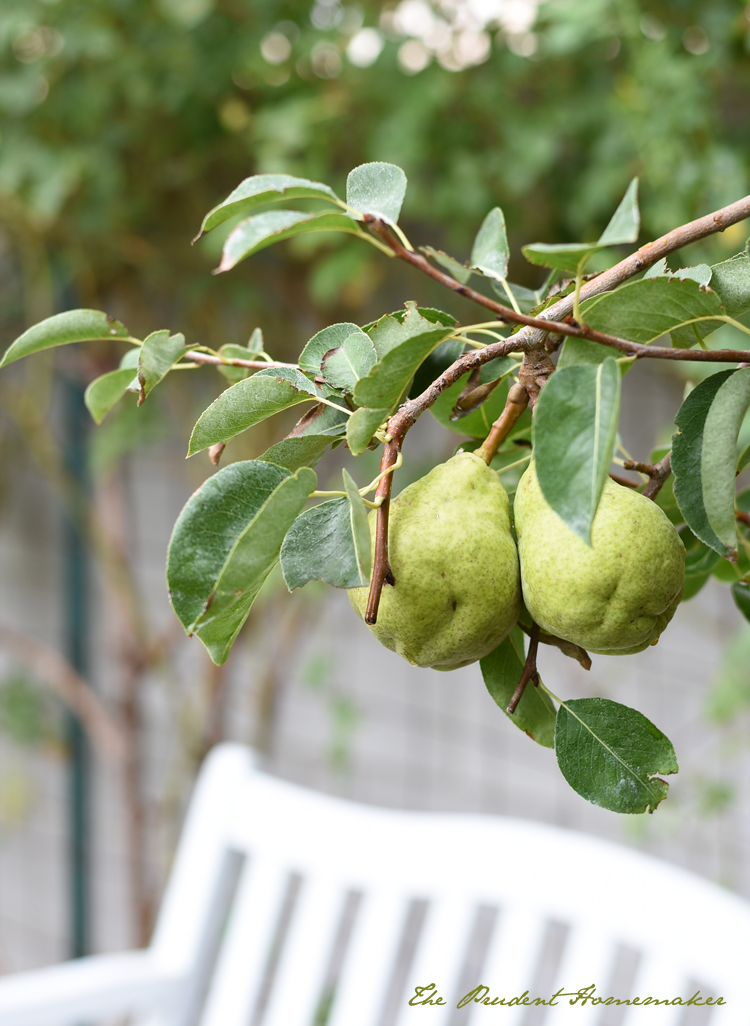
659, 474
518, 400
528, 673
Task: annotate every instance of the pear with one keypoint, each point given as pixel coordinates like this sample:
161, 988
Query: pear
614, 597
457, 593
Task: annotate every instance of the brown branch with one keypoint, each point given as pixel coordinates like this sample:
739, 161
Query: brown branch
744, 518
556, 318
566, 647
219, 361
661, 472
624, 481
643, 468
518, 400
529, 671
51, 668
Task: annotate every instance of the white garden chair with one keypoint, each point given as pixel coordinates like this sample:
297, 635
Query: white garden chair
291, 908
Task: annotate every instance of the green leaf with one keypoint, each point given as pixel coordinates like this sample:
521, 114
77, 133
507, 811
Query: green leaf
527, 299
259, 189
330, 542
731, 280
377, 189
300, 451
562, 256
352, 360
438, 361
158, 355
743, 460
362, 425
248, 403
622, 228
225, 543
63, 328
575, 424
577, 351
102, 394
610, 754
234, 352
704, 457
311, 357
321, 420
741, 596
535, 713
255, 233
394, 328
490, 252
408, 344
643, 310
626, 220
459, 271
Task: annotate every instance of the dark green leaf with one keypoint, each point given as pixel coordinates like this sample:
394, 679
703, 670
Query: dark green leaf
362, 425
233, 352
704, 457
741, 596
459, 271
330, 542
332, 337
225, 543
610, 754
575, 425
438, 361
255, 233
102, 394
643, 310
300, 451
63, 328
377, 189
260, 189
490, 252
248, 403
352, 360
501, 670
158, 354
626, 220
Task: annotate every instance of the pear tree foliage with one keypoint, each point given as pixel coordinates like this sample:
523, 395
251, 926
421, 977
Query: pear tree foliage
552, 395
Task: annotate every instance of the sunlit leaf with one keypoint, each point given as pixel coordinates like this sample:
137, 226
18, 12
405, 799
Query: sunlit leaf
158, 354
102, 394
352, 360
490, 252
377, 189
255, 233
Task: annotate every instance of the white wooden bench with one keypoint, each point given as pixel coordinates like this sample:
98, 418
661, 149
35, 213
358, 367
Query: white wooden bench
291, 908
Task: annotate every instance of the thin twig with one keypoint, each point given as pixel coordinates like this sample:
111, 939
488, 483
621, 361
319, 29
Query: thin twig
643, 468
51, 668
744, 518
529, 671
624, 481
219, 361
661, 472
566, 647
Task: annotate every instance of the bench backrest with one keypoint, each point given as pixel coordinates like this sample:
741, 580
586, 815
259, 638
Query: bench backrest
290, 908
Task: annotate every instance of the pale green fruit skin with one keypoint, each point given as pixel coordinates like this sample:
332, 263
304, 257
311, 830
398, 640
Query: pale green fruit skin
450, 547
613, 598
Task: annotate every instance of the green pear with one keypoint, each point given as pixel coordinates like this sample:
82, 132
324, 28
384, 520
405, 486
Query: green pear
614, 597
457, 593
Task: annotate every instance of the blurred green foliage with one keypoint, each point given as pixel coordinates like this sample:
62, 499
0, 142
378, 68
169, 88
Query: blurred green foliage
124, 121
